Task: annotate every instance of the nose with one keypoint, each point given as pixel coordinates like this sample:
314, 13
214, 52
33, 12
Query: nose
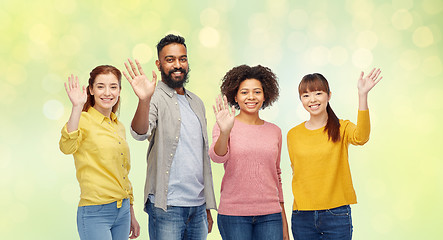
107, 91
250, 95
176, 63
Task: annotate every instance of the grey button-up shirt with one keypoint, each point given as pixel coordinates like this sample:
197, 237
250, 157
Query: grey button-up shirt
163, 136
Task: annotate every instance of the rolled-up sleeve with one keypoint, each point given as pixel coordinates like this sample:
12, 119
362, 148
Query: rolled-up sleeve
69, 141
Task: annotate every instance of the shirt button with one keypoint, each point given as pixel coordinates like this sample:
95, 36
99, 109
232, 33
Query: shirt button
171, 154
175, 103
124, 177
176, 137
167, 172
121, 153
179, 119
123, 165
119, 143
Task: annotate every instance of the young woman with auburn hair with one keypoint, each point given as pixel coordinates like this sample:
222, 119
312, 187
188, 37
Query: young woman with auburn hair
97, 140
318, 149
251, 198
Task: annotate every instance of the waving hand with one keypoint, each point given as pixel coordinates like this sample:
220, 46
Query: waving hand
142, 86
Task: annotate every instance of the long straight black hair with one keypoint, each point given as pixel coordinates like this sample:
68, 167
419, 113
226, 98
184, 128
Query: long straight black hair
317, 82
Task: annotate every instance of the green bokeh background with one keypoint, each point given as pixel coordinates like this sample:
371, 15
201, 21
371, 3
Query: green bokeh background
397, 174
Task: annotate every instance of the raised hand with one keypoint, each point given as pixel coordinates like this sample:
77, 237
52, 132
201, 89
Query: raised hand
365, 84
76, 95
142, 87
224, 117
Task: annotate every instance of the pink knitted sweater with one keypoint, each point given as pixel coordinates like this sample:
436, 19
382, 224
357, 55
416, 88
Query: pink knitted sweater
251, 185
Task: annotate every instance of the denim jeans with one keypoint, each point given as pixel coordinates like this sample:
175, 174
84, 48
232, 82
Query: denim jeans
266, 227
104, 222
333, 224
177, 223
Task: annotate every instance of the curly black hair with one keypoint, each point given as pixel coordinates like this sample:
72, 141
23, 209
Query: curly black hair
232, 79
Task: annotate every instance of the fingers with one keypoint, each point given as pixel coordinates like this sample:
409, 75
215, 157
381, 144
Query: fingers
127, 77
134, 69
129, 70
140, 69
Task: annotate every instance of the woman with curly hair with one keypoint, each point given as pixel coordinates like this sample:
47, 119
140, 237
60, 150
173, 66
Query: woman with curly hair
251, 198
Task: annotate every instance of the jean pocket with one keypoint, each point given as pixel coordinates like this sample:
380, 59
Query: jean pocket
295, 212
340, 211
93, 208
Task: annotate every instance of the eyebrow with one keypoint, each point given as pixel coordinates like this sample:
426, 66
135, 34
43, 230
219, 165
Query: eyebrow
173, 56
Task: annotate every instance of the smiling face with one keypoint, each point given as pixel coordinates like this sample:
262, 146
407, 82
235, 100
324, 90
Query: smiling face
106, 91
250, 96
173, 64
315, 102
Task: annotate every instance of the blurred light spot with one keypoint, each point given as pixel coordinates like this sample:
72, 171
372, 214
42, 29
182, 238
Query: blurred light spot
65, 6
359, 7
272, 55
376, 188
432, 6
297, 41
382, 223
321, 28
18, 212
53, 109
259, 38
16, 74
402, 19
388, 37
52, 83
405, 4
38, 52
118, 51
8, 94
40, 33
297, 19
209, 37
423, 37
404, 209
259, 21
362, 58
319, 55
367, 39
69, 45
364, 21
142, 53
338, 56
209, 17
409, 60
432, 66
270, 113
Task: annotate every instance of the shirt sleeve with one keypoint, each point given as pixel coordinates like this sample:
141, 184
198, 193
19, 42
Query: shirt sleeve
359, 134
70, 141
152, 123
216, 158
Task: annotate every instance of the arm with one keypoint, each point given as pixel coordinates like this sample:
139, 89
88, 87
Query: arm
210, 221
135, 227
71, 138
78, 97
359, 134
365, 84
285, 222
144, 89
225, 121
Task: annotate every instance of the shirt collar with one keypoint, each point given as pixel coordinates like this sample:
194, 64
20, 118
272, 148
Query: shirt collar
97, 116
170, 91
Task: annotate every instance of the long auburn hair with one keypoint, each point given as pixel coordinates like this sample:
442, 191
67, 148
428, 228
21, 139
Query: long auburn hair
102, 69
317, 82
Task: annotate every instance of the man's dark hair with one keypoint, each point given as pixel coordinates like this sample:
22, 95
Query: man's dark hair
170, 38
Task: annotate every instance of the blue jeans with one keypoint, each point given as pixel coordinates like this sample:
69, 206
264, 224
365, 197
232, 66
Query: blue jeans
104, 222
266, 227
333, 224
177, 223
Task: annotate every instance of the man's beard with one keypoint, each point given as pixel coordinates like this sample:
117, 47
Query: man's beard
168, 79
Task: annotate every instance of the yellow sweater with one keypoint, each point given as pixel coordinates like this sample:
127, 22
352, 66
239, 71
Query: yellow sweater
321, 176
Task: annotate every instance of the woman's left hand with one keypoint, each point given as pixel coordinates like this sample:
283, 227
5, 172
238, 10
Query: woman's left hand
135, 227
365, 84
